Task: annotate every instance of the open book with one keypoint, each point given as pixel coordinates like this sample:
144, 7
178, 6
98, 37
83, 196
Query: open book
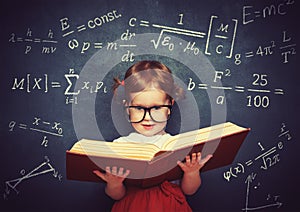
149, 164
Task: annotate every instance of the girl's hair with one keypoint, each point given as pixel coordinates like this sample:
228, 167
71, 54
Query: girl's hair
147, 74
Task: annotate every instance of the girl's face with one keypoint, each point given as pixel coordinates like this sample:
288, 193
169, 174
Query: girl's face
147, 99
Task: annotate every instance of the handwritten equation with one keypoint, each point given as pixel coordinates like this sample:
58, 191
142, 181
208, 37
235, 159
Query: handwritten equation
43, 84
40, 126
259, 87
268, 157
90, 24
48, 45
287, 49
44, 168
223, 34
251, 14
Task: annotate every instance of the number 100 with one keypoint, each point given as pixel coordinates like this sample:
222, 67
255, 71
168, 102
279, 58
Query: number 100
258, 101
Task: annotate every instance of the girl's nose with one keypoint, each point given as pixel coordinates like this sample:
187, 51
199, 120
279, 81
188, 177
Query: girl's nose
147, 116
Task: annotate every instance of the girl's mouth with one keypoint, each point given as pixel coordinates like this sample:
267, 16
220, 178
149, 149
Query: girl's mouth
148, 126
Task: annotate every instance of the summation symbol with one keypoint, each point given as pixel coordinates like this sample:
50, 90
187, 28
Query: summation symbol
43, 84
43, 168
249, 180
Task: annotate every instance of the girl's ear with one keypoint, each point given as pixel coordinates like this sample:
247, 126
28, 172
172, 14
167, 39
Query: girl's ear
125, 103
172, 102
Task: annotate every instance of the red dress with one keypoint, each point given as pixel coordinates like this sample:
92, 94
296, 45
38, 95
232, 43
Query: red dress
164, 197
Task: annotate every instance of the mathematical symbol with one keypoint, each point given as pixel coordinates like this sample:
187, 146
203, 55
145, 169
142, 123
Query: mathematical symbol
55, 85
257, 13
283, 133
221, 87
221, 36
36, 83
176, 31
36, 121
224, 29
23, 126
283, 126
280, 145
203, 86
45, 142
127, 45
257, 90
28, 40
56, 124
239, 168
144, 23
98, 45
86, 85
264, 155
289, 137
37, 40
239, 88
287, 46
261, 146
71, 100
270, 151
278, 91
276, 197
44, 131
68, 33
81, 28
49, 41
268, 50
285, 39
249, 162
11, 125
68, 76
250, 178
249, 54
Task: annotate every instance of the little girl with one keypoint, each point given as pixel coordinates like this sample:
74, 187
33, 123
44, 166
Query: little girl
150, 92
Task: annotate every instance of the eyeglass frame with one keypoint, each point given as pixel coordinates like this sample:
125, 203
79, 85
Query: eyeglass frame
147, 109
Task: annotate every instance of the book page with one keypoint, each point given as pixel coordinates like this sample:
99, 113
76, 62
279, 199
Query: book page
202, 135
120, 150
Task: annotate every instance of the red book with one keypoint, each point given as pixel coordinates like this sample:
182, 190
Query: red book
150, 165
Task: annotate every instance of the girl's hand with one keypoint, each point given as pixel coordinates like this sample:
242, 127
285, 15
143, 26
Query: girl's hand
194, 163
113, 176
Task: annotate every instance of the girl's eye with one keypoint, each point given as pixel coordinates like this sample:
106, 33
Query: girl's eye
156, 107
139, 108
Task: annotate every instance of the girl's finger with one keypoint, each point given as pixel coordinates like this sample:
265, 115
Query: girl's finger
126, 173
203, 161
194, 158
198, 157
114, 170
188, 160
120, 173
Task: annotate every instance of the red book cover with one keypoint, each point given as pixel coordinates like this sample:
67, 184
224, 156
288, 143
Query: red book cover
146, 173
